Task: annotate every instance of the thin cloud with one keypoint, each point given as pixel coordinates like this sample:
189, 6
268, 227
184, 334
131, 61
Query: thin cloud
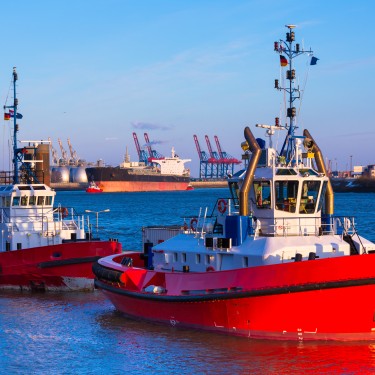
152, 143
149, 126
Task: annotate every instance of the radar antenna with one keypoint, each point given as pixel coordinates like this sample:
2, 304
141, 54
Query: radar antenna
271, 129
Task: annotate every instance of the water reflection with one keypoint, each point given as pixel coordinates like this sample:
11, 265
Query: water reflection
82, 333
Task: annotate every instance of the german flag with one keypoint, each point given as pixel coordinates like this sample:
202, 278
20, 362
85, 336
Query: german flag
283, 61
6, 116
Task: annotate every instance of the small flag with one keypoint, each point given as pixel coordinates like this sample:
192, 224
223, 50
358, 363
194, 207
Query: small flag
6, 116
11, 113
283, 61
314, 60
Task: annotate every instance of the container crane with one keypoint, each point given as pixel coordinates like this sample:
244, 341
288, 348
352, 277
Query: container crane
205, 168
227, 160
153, 154
142, 155
214, 159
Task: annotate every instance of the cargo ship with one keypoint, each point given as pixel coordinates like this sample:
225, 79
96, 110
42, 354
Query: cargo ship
166, 173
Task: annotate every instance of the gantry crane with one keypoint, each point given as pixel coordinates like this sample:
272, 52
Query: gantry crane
142, 155
214, 159
227, 161
55, 157
73, 155
152, 154
205, 166
64, 156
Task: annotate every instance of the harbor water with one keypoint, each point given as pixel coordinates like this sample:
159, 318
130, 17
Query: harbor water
82, 333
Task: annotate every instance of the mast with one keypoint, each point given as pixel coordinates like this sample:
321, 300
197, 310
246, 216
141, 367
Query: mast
291, 50
24, 158
15, 128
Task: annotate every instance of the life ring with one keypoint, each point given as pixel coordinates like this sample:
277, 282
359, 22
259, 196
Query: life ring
222, 205
64, 212
210, 269
193, 224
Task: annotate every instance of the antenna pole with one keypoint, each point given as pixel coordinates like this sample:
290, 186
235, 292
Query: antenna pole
15, 128
291, 50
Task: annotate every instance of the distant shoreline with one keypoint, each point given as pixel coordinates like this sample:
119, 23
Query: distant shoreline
209, 184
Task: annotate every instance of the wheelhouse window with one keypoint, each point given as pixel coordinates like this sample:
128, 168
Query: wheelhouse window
48, 201
286, 172
235, 192
16, 201
262, 191
32, 200
286, 193
322, 195
24, 200
6, 201
309, 196
40, 201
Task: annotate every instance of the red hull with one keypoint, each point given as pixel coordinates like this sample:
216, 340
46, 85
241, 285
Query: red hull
327, 299
59, 267
131, 186
91, 190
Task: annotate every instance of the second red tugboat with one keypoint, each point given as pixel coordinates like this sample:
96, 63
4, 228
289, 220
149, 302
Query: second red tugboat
42, 246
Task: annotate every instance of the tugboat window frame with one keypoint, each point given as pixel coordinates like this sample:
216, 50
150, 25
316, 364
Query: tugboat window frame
40, 200
16, 201
24, 200
322, 195
262, 194
286, 194
245, 262
32, 200
235, 193
309, 196
183, 257
197, 258
175, 257
285, 172
6, 201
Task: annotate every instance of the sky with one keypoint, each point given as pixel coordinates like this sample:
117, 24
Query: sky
96, 71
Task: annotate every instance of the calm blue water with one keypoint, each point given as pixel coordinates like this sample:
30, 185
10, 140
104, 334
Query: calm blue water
81, 333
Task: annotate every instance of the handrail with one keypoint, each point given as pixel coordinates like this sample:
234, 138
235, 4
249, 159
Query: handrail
339, 225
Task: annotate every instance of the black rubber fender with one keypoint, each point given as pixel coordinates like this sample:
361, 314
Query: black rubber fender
106, 274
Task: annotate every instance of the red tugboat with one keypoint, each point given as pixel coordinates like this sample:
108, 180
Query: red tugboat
42, 247
271, 262
93, 188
